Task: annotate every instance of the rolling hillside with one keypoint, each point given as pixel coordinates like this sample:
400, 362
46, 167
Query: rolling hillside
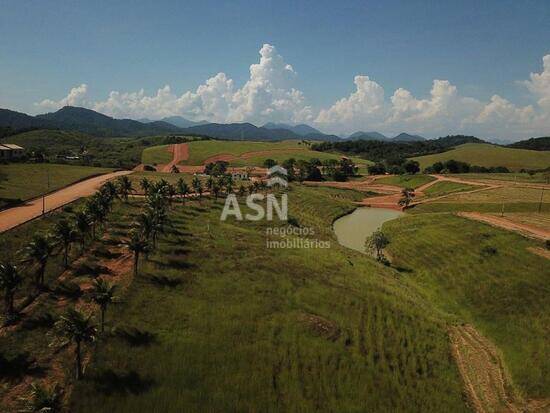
491, 155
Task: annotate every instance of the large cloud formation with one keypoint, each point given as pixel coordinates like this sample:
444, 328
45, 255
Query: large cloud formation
270, 95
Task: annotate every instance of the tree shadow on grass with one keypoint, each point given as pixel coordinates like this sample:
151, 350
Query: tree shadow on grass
164, 281
135, 337
22, 364
110, 382
42, 320
172, 263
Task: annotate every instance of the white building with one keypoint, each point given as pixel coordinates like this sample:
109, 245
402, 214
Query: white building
10, 151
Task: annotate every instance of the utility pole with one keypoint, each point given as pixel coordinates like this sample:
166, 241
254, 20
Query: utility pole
48, 190
542, 194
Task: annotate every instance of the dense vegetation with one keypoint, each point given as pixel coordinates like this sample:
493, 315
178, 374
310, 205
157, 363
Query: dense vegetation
535, 144
392, 152
55, 145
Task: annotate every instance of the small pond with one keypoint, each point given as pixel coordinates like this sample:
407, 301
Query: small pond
353, 229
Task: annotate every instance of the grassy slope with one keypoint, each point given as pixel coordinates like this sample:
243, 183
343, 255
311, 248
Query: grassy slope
244, 329
505, 294
406, 181
156, 155
447, 187
491, 155
202, 150
24, 181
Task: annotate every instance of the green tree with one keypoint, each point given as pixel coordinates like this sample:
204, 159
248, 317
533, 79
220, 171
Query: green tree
145, 184
10, 281
137, 244
124, 186
269, 163
103, 295
183, 189
66, 235
376, 244
197, 186
75, 326
83, 227
38, 252
407, 196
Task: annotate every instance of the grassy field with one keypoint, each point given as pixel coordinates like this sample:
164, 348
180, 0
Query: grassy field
406, 181
520, 178
156, 155
21, 181
202, 150
507, 194
491, 155
484, 276
523, 207
245, 328
447, 187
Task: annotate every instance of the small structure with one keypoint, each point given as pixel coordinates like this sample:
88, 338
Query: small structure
10, 151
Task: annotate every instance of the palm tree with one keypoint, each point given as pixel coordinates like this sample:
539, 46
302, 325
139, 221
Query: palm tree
83, 227
210, 183
197, 186
39, 251
215, 189
103, 295
66, 235
10, 280
145, 184
43, 399
110, 188
76, 327
137, 244
183, 189
124, 187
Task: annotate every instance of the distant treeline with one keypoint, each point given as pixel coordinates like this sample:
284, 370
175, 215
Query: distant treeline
392, 152
535, 144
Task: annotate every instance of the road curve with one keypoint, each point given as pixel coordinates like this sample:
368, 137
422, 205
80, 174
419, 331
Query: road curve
13, 217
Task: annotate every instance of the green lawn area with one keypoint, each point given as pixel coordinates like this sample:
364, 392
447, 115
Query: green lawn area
406, 181
484, 276
156, 155
538, 177
530, 207
202, 150
246, 328
447, 187
22, 181
490, 155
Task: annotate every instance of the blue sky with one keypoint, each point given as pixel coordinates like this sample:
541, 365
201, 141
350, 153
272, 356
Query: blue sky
481, 48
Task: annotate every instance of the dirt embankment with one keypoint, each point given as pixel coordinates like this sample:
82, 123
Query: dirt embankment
487, 384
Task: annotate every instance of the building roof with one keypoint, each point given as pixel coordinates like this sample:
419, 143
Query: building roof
9, 146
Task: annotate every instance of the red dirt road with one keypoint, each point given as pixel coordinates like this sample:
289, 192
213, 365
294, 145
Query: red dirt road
180, 152
527, 230
13, 217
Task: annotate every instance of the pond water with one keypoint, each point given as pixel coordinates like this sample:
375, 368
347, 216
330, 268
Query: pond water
353, 229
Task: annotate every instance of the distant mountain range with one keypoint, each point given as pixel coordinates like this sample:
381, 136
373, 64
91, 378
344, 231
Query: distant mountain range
302, 129
376, 136
87, 121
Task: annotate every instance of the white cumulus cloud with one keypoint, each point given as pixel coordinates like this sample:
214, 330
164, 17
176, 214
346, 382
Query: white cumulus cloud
270, 94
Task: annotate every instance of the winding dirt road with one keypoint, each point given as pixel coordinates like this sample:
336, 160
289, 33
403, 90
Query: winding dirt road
13, 217
501, 222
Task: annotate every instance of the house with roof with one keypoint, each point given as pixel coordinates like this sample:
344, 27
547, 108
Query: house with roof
10, 151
